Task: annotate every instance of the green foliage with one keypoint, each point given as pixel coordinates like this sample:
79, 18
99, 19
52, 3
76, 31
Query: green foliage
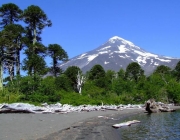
35, 65
109, 78
14, 40
9, 97
37, 20
50, 89
57, 53
121, 73
173, 91
47, 86
163, 69
62, 82
97, 75
72, 72
119, 85
35, 89
177, 71
35, 17
75, 99
126, 98
9, 13
92, 90
96, 72
133, 71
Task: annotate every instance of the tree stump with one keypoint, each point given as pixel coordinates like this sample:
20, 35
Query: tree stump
153, 107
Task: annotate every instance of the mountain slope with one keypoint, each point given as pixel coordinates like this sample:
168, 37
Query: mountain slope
117, 53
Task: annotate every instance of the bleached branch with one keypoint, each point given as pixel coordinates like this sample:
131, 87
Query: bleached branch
80, 82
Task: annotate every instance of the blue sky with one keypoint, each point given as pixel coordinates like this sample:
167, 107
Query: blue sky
82, 25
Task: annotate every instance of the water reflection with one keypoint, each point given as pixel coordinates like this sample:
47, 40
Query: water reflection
156, 126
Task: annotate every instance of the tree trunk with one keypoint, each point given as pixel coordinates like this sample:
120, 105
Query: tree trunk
1, 76
11, 62
17, 62
34, 48
54, 66
80, 82
34, 37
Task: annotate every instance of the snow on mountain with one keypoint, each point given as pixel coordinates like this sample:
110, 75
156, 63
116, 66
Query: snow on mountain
117, 53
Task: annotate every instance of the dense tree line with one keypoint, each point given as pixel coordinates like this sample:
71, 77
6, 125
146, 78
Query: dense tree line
110, 87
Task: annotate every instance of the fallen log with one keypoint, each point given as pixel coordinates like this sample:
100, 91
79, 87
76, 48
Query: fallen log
15, 111
128, 123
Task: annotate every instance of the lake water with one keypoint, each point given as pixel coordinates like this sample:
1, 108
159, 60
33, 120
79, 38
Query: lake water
156, 126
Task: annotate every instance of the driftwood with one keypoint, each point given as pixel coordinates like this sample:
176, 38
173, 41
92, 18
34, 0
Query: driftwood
80, 82
153, 107
128, 123
59, 108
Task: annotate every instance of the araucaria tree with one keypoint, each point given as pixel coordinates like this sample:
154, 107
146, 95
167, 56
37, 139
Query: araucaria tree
97, 75
134, 71
57, 53
9, 14
14, 35
36, 20
2, 57
11, 39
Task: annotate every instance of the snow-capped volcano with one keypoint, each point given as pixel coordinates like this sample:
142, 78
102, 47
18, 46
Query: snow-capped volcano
117, 53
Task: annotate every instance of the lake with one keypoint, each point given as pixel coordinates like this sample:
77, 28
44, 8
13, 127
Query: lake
155, 126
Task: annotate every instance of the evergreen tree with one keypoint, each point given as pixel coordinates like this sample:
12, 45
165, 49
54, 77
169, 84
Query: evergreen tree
162, 69
57, 53
133, 71
15, 36
71, 72
97, 75
36, 20
2, 57
35, 65
96, 72
10, 13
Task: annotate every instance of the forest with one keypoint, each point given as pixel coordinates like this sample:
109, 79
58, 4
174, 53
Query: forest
20, 33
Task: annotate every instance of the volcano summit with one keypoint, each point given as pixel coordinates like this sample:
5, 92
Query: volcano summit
117, 53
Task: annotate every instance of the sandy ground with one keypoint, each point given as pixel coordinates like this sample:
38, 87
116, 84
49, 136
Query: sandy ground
34, 126
94, 128
55, 126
